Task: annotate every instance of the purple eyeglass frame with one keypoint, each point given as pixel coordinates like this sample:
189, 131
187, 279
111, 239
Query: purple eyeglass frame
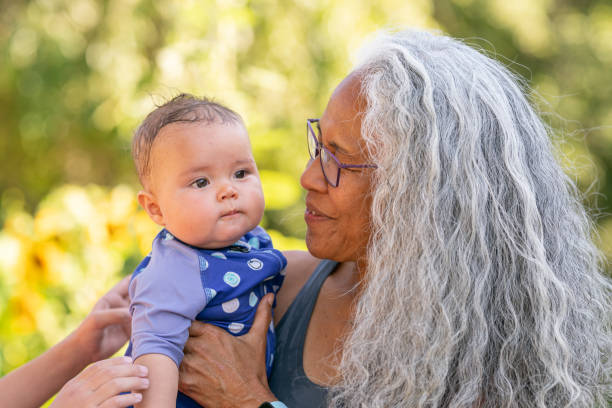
311, 133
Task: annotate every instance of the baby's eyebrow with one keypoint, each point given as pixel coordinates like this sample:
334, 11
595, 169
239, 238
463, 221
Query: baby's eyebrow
202, 167
244, 162
195, 169
208, 167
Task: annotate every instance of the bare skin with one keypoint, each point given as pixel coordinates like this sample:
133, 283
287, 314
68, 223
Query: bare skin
215, 369
330, 322
204, 188
102, 384
338, 229
102, 333
220, 370
331, 317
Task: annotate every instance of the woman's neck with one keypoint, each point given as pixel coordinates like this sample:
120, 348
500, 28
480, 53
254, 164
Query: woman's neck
347, 279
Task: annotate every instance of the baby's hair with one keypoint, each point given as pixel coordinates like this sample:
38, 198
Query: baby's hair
184, 108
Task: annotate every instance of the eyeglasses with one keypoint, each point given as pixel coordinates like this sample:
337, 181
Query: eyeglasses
330, 165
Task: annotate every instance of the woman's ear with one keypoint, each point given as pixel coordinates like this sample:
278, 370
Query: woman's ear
149, 203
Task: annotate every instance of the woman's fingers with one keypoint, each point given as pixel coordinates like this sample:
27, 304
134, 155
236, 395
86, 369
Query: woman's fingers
192, 372
204, 336
122, 401
121, 291
115, 300
256, 336
116, 386
123, 285
217, 365
263, 317
101, 384
107, 317
117, 296
101, 371
197, 329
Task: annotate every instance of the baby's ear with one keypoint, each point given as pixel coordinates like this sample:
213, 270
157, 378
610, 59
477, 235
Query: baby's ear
149, 203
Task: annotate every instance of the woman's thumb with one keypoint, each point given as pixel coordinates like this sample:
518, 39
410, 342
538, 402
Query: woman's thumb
263, 317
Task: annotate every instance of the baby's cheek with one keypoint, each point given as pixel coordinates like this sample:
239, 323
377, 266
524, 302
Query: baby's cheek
261, 201
257, 204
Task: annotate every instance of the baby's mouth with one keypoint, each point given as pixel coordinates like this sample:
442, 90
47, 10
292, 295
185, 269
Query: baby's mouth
230, 213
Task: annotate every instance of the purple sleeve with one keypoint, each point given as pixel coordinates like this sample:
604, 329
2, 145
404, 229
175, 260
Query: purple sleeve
165, 298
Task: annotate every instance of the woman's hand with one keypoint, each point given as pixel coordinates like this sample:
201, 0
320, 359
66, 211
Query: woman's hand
100, 385
107, 327
103, 332
221, 370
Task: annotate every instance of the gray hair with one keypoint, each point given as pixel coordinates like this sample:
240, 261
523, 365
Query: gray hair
484, 287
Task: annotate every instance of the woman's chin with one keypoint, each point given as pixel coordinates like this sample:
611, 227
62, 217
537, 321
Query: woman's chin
319, 248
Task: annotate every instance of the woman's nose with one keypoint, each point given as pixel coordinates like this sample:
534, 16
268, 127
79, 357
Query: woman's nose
226, 191
312, 178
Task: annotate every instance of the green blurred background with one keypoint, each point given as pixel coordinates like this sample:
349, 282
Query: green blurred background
78, 75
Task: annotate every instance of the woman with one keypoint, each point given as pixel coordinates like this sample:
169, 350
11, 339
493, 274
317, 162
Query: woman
464, 274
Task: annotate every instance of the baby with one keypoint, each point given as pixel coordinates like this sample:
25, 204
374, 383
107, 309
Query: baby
211, 261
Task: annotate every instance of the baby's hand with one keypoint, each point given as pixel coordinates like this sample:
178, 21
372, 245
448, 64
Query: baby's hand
100, 385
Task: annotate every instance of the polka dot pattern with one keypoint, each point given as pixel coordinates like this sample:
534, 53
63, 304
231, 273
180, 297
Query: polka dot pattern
255, 264
254, 243
253, 299
231, 305
210, 293
219, 255
235, 327
232, 279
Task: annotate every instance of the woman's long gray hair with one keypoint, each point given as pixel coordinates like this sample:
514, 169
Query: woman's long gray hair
484, 287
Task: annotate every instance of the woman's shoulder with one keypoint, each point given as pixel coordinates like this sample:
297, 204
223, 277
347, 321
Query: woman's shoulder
300, 265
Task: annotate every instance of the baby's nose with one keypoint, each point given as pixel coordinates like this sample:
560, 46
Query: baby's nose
226, 191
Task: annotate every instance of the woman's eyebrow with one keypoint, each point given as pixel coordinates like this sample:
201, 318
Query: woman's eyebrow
333, 144
339, 149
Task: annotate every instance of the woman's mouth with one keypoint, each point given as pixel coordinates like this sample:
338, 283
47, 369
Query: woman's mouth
311, 215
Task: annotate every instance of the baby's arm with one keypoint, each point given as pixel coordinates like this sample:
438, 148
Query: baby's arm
163, 377
166, 297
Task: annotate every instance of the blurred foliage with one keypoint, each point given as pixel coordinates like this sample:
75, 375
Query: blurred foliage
78, 75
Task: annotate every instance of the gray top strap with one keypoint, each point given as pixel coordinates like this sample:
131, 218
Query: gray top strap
288, 380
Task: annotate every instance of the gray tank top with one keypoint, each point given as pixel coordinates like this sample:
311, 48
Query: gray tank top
288, 380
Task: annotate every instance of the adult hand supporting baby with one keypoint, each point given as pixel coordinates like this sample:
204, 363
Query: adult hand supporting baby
221, 370
107, 327
101, 385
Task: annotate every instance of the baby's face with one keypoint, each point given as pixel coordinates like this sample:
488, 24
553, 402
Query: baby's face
205, 181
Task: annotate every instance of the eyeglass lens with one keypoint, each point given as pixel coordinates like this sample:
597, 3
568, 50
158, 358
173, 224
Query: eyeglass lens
328, 164
313, 144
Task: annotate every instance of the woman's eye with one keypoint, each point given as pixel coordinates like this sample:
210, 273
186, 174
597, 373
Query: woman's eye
200, 183
240, 174
325, 156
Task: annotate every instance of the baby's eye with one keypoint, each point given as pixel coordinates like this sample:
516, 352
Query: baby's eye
240, 174
200, 183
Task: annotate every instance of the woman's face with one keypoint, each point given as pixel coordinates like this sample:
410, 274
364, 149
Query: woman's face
338, 217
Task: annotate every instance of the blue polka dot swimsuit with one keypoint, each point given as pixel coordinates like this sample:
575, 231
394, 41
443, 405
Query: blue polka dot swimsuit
177, 283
